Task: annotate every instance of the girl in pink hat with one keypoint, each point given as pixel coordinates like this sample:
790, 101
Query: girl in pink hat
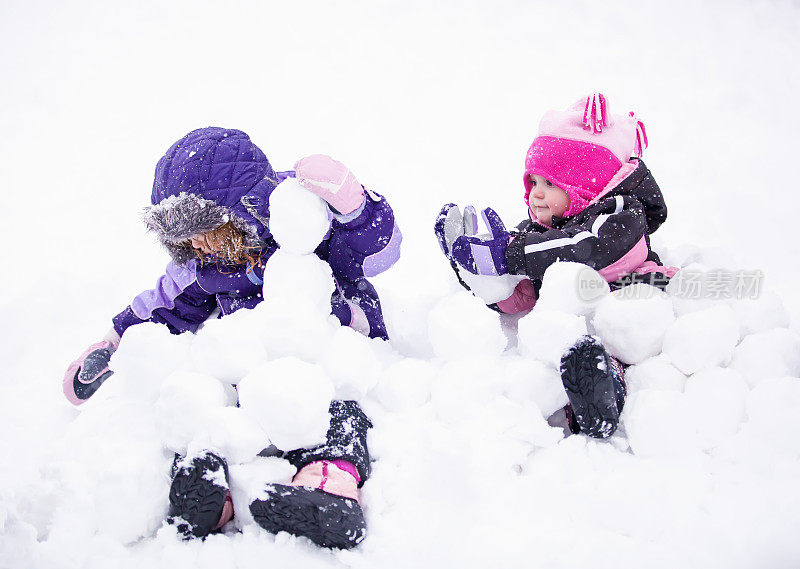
590, 200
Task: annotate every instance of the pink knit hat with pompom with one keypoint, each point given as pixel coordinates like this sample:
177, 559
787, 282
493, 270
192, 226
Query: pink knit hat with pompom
582, 149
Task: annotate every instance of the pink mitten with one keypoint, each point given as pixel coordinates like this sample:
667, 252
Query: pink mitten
331, 180
85, 375
522, 299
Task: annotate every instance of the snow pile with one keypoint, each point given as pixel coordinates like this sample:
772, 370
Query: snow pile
701, 403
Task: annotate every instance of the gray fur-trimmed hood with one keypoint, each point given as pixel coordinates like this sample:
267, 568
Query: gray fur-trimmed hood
177, 218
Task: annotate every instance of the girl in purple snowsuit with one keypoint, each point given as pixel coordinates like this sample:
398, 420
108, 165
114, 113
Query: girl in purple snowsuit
210, 209
591, 200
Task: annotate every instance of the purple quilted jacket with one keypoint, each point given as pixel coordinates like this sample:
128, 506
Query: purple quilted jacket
215, 175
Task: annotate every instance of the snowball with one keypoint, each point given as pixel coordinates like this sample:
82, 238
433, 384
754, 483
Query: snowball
491, 288
184, 406
761, 314
658, 423
298, 219
295, 330
232, 432
526, 379
655, 373
147, 354
294, 317
546, 335
686, 289
289, 398
632, 322
716, 399
461, 325
572, 287
405, 385
354, 362
228, 348
702, 339
298, 279
767, 355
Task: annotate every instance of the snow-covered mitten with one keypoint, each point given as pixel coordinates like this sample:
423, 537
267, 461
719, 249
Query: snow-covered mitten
199, 497
85, 375
321, 502
332, 181
595, 387
451, 224
484, 255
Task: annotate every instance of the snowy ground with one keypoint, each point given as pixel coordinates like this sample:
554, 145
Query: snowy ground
428, 103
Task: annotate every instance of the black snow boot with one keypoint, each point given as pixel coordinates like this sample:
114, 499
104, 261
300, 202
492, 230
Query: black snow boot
595, 387
321, 503
199, 495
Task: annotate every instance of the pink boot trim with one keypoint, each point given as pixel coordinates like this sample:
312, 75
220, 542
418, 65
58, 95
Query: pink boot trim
348, 467
334, 477
227, 512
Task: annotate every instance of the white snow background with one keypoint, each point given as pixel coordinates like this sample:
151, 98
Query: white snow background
427, 102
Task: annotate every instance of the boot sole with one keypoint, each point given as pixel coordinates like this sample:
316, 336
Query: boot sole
195, 503
326, 519
586, 375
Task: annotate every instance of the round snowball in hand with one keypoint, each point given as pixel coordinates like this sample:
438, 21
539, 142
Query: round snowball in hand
298, 219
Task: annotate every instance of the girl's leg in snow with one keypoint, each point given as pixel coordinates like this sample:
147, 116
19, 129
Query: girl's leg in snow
595, 386
321, 502
199, 497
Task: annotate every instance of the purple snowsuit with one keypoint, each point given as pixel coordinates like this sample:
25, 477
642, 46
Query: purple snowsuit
215, 175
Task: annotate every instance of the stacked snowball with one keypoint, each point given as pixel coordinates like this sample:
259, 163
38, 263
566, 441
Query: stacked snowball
715, 377
698, 367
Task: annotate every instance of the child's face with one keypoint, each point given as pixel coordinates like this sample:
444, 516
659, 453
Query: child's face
547, 200
200, 243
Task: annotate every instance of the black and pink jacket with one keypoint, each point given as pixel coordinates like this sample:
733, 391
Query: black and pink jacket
611, 235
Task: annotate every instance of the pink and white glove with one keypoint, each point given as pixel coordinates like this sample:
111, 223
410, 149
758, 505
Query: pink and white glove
332, 181
85, 375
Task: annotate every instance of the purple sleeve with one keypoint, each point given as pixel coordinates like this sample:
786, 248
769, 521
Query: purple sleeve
177, 301
366, 242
